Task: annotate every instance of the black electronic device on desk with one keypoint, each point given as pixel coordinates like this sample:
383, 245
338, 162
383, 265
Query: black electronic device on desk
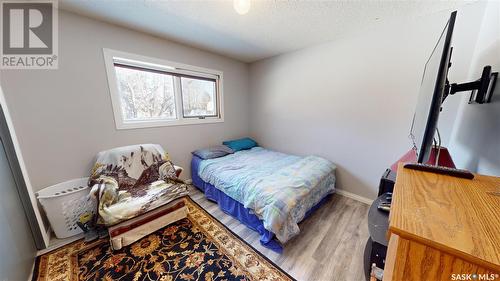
459, 173
387, 182
378, 223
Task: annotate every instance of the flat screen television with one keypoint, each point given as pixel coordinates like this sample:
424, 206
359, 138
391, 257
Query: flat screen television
432, 93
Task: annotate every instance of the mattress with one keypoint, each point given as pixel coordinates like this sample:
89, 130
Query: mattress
275, 189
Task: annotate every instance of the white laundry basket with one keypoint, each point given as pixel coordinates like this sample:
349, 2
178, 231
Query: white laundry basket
64, 203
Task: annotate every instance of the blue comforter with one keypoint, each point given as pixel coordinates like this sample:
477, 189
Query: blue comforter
279, 188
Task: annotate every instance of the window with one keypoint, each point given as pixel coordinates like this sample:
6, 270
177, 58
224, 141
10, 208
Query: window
148, 92
145, 94
198, 97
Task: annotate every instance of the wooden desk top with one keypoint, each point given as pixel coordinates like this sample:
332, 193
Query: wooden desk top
458, 216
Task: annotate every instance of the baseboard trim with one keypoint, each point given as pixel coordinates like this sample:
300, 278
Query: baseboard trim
56, 243
32, 269
354, 196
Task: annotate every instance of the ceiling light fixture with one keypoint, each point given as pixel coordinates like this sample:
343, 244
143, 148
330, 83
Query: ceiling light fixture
241, 6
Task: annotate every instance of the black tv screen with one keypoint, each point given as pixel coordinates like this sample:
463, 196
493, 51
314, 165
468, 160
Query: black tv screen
431, 94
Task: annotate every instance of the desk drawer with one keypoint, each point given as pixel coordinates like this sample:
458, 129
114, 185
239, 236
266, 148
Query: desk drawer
410, 260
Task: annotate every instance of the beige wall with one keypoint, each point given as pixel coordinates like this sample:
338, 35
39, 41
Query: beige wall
352, 100
64, 117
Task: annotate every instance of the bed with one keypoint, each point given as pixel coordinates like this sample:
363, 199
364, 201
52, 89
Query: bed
269, 191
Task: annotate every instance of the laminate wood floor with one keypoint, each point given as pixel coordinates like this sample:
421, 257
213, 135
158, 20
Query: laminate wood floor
330, 244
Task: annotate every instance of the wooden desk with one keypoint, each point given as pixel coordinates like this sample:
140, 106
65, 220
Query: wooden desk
441, 226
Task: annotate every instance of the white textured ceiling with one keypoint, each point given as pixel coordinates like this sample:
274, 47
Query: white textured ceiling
270, 28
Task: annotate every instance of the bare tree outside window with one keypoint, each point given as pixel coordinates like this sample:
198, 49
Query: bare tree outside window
198, 97
145, 95
151, 92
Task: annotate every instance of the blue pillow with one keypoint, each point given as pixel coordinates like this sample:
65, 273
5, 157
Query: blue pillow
213, 152
240, 144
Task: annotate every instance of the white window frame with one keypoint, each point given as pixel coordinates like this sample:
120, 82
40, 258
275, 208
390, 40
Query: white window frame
113, 56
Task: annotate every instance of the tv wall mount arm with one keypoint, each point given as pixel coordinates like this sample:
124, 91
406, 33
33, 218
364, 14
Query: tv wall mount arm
482, 89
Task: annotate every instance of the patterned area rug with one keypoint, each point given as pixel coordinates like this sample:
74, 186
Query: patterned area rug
196, 248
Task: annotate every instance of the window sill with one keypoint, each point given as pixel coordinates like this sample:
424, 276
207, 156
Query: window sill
166, 123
